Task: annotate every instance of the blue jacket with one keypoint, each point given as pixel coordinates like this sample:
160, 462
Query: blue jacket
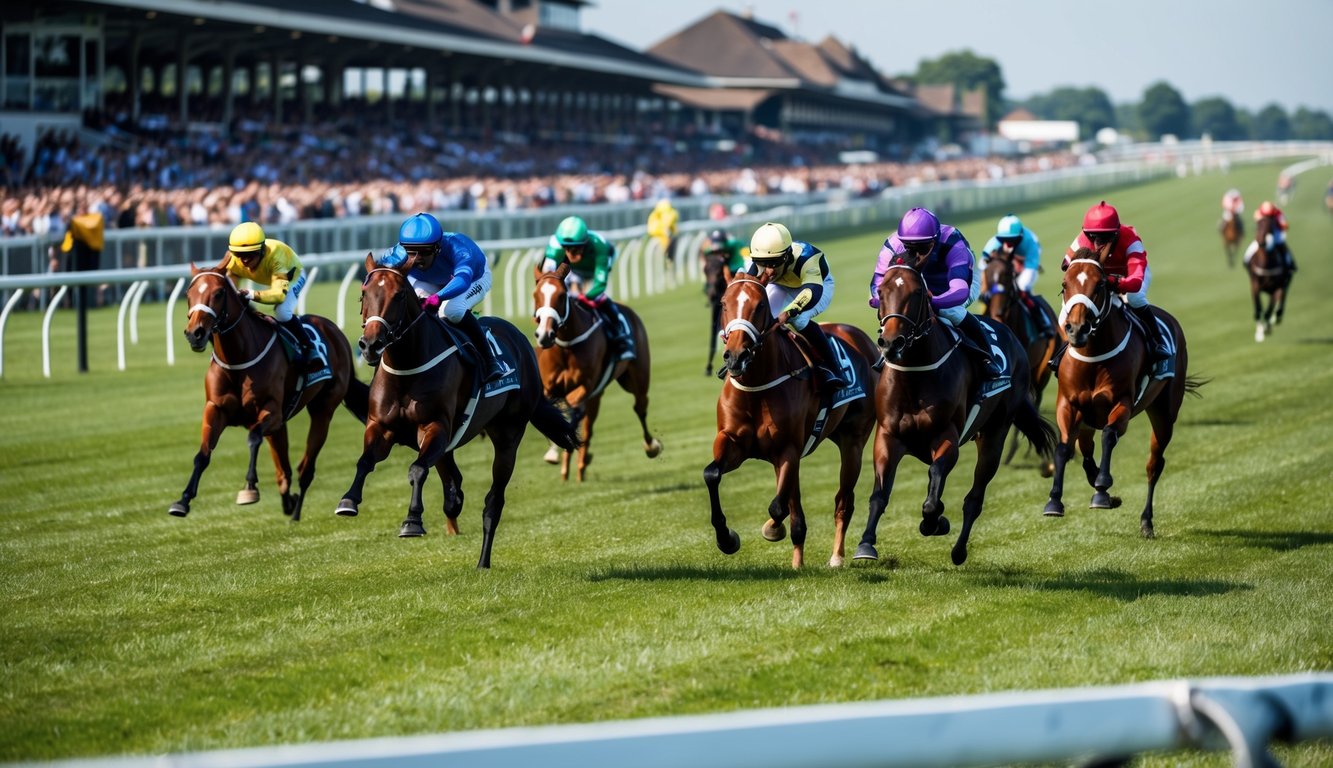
461, 261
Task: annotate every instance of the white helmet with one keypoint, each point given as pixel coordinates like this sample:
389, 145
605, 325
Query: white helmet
771, 244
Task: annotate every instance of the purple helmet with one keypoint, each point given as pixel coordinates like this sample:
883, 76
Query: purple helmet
918, 224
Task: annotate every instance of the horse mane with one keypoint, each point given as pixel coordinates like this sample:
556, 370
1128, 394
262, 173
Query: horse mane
1087, 253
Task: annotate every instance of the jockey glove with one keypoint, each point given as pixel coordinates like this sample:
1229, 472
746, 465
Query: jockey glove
247, 294
431, 303
1113, 281
587, 302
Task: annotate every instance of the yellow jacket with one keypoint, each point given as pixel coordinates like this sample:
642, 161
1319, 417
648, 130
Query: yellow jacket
663, 222
278, 270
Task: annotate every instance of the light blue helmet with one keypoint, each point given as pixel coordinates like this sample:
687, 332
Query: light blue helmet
392, 257
1009, 226
421, 229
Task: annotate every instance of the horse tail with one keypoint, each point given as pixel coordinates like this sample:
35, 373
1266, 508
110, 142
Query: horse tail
357, 399
1039, 431
1193, 383
552, 423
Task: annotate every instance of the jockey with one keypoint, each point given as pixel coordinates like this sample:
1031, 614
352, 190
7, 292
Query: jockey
1279, 234
1232, 204
591, 257
1023, 248
720, 242
1125, 261
662, 225
797, 278
451, 275
952, 280
272, 263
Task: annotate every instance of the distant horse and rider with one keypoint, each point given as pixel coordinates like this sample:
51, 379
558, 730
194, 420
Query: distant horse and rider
720, 256
1232, 224
1270, 267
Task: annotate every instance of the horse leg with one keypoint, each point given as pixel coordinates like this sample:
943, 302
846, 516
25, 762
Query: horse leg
249, 494
451, 478
378, 442
1100, 498
1163, 426
506, 442
1013, 447
1068, 420
933, 521
989, 447
214, 423
651, 445
1258, 311
888, 453
1085, 447
1280, 303
432, 439
277, 448
788, 471
714, 328
314, 443
850, 448
591, 409
774, 528
727, 456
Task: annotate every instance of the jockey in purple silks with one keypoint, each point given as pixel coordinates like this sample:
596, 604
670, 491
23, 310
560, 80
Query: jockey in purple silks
952, 280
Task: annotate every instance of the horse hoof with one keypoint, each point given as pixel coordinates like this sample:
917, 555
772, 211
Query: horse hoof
959, 555
653, 449
942, 527
866, 552
552, 455
1147, 531
346, 508
1100, 500
1054, 509
247, 496
1047, 469
178, 509
774, 531
411, 530
731, 545
1116, 501
835, 562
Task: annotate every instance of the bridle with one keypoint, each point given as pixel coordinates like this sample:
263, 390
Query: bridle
557, 317
1100, 308
918, 327
394, 332
1008, 285
757, 336
220, 324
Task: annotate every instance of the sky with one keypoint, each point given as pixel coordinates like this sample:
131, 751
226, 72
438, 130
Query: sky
1272, 52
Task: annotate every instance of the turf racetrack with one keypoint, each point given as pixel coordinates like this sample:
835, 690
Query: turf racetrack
127, 631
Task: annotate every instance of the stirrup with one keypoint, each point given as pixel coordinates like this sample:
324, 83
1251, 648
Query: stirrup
992, 387
833, 380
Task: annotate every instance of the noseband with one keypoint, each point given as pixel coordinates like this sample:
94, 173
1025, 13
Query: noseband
394, 333
1100, 309
220, 324
918, 328
757, 336
559, 318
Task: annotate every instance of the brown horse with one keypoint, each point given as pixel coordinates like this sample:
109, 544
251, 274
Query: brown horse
577, 365
926, 408
771, 409
715, 283
251, 384
1232, 229
1004, 305
1105, 381
1268, 275
424, 395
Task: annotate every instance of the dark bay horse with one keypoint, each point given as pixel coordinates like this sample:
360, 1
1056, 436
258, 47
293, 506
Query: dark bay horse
251, 384
1104, 381
715, 283
1004, 305
1268, 275
769, 408
926, 408
576, 363
1232, 229
425, 396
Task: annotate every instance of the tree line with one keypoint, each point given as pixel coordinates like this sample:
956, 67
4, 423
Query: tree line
1161, 111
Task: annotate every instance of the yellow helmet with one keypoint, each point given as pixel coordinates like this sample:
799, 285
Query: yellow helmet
246, 237
770, 244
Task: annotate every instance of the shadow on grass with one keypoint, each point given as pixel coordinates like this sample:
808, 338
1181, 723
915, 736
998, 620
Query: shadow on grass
686, 572
1279, 541
1112, 583
1328, 340
1214, 423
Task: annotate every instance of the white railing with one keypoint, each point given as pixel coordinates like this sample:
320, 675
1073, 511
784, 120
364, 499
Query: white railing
1100, 725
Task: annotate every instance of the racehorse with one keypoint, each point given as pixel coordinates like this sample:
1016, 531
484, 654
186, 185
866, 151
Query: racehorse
424, 395
925, 405
1268, 275
1104, 381
577, 365
250, 383
771, 409
1231, 234
1003, 305
715, 283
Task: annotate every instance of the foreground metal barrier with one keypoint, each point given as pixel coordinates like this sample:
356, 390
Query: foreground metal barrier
1102, 725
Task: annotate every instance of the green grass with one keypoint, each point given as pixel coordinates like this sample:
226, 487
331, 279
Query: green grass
127, 631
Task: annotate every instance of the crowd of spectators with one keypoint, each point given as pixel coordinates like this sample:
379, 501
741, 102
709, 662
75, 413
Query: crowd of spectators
156, 174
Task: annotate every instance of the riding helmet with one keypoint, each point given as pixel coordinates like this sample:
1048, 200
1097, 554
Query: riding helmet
1101, 218
572, 231
918, 224
770, 244
421, 229
246, 237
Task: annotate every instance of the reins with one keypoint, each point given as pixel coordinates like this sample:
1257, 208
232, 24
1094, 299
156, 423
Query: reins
218, 331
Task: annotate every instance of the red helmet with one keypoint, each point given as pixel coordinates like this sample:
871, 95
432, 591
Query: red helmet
1101, 218
1266, 208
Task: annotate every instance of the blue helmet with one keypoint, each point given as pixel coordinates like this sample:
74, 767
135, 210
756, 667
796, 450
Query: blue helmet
1009, 227
392, 257
421, 229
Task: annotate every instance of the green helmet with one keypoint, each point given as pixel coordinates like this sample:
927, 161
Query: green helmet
572, 231
1010, 226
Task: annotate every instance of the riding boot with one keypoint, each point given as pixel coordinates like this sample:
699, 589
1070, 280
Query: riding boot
491, 366
1039, 319
827, 367
304, 354
979, 342
622, 339
1158, 351
1288, 258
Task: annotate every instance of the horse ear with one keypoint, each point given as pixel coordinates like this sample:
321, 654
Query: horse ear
562, 270
370, 260
194, 270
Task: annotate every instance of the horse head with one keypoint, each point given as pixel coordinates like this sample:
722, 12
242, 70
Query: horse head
999, 282
715, 278
551, 301
1087, 297
746, 322
1264, 230
217, 306
905, 312
389, 307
